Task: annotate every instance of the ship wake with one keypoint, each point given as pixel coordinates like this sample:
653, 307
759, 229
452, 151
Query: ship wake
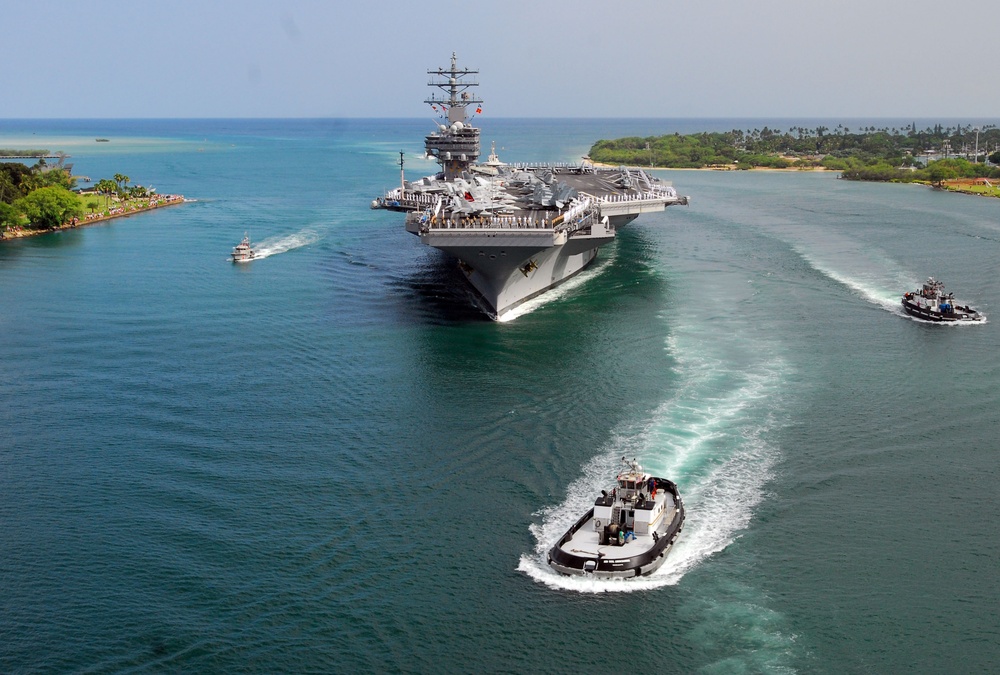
863, 270
283, 244
712, 439
879, 284
882, 288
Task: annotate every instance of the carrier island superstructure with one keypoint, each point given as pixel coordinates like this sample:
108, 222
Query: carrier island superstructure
517, 230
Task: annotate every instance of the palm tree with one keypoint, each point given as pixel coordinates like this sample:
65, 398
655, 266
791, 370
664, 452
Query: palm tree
106, 187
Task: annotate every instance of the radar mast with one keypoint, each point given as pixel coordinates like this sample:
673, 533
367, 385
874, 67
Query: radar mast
455, 144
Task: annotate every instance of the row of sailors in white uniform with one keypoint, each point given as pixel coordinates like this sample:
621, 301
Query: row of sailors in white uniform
503, 222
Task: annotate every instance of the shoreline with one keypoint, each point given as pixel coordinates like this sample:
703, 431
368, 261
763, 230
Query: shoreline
726, 167
977, 187
93, 219
962, 186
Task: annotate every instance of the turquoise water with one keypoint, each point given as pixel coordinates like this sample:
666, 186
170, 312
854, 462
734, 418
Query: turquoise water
327, 460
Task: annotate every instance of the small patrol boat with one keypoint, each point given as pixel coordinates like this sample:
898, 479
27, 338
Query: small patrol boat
629, 531
931, 303
242, 252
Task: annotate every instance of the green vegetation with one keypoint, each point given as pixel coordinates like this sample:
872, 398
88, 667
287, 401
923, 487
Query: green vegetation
42, 197
6, 152
17, 180
936, 172
868, 153
49, 207
9, 217
37, 197
110, 194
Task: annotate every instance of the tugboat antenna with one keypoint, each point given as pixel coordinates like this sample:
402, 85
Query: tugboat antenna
402, 180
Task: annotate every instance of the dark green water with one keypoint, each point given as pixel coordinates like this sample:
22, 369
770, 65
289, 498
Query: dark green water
327, 460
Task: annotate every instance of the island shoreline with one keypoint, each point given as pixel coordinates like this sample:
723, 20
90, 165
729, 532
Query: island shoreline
806, 169
957, 186
91, 219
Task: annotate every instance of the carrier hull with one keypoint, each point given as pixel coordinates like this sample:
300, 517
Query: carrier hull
508, 269
517, 230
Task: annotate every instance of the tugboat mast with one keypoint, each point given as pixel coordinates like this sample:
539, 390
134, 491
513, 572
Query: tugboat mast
455, 145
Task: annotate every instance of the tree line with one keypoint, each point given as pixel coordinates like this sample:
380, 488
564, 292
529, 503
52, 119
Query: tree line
42, 197
36, 197
7, 152
840, 148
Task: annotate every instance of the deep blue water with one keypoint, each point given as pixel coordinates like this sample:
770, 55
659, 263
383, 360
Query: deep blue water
328, 460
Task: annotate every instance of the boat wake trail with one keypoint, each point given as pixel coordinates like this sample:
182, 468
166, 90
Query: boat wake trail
276, 245
863, 270
868, 274
879, 282
711, 438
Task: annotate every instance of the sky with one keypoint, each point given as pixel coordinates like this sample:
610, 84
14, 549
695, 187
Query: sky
537, 58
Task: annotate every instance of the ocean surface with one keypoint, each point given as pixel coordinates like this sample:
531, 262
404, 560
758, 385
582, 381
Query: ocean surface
328, 460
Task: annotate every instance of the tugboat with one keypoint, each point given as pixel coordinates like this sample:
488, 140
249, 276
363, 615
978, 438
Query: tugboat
629, 531
242, 251
931, 303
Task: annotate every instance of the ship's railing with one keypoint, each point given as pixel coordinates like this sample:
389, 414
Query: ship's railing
427, 202
407, 201
658, 193
554, 167
431, 223
582, 214
633, 176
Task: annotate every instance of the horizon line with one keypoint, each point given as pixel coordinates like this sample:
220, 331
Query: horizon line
498, 117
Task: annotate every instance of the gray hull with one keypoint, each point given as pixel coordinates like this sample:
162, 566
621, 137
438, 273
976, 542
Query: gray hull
516, 230
512, 259
508, 269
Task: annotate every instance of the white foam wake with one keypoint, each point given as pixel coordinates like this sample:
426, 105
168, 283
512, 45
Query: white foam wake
861, 268
883, 286
276, 245
710, 438
872, 287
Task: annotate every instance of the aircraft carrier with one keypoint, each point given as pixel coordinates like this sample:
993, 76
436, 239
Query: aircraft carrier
517, 230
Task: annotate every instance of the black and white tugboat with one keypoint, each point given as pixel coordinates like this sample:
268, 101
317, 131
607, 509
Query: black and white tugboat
629, 531
242, 252
931, 303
